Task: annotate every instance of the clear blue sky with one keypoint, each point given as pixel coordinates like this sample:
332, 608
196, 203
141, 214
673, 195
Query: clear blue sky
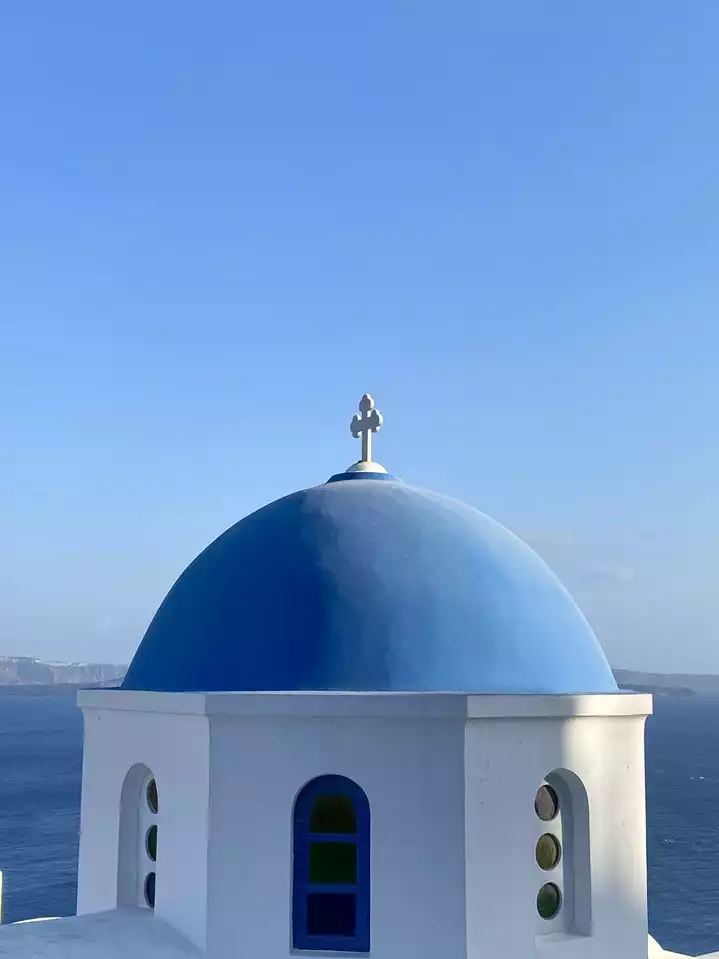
221, 223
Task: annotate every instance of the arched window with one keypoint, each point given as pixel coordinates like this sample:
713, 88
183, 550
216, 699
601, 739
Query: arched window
139, 808
331, 867
562, 854
147, 852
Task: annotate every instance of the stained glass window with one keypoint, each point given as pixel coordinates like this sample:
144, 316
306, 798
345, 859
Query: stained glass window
330, 907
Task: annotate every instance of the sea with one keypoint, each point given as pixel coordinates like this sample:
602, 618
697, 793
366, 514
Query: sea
40, 769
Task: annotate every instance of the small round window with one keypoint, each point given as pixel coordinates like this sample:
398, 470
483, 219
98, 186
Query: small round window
150, 890
152, 796
549, 900
546, 804
548, 851
151, 842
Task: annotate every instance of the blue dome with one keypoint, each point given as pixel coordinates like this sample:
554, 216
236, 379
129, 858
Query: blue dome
369, 585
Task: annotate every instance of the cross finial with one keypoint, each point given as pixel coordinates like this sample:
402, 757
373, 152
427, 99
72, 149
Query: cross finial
364, 424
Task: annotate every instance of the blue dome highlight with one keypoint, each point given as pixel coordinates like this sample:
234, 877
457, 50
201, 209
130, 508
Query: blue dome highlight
368, 585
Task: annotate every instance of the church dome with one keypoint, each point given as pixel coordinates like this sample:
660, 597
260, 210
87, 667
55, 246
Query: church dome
367, 583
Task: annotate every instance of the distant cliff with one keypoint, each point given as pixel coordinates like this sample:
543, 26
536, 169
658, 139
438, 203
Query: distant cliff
667, 684
25, 671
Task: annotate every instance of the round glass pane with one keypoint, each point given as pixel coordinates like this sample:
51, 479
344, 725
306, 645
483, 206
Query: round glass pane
547, 852
151, 842
152, 795
546, 804
549, 900
150, 890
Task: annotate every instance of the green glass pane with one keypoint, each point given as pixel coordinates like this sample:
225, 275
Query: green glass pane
549, 900
548, 851
333, 862
334, 814
151, 842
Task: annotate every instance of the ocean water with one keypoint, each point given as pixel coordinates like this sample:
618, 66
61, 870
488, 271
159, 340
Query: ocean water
40, 772
683, 823
40, 767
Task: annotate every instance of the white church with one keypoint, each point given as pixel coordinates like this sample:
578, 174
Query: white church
367, 720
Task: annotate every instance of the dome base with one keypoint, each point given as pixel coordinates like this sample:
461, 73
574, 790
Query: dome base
365, 466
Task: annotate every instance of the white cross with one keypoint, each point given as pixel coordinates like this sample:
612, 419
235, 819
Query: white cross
365, 425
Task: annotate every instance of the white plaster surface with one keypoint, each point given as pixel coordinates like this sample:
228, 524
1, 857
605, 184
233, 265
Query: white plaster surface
137, 934
451, 781
412, 771
506, 760
450, 778
175, 748
119, 934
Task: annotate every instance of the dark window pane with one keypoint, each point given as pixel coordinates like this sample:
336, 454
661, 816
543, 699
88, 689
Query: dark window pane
549, 901
331, 914
548, 851
152, 795
333, 862
151, 842
546, 804
333, 814
150, 890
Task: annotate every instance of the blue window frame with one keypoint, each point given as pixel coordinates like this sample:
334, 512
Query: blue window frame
331, 867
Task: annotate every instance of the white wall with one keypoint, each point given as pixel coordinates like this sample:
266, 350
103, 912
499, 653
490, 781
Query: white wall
176, 749
229, 766
507, 760
412, 772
